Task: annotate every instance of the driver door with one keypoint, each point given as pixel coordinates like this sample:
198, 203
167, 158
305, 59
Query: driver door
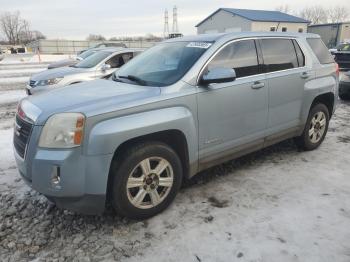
232, 116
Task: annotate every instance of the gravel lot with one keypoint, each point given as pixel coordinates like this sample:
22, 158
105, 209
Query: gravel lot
278, 204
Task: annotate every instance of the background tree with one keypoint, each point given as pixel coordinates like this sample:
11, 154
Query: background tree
315, 14
338, 14
284, 9
11, 25
17, 30
93, 37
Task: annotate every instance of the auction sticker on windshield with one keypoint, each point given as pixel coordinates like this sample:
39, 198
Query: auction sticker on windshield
204, 45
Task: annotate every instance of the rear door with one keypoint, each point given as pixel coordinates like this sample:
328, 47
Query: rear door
286, 74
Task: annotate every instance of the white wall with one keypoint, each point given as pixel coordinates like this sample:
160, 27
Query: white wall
291, 27
224, 21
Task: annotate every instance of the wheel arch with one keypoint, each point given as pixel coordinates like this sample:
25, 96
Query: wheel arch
174, 138
328, 99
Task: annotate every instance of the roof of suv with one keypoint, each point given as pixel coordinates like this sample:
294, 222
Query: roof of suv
215, 37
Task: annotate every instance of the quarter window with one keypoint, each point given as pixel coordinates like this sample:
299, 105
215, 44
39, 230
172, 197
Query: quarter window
320, 50
240, 56
279, 54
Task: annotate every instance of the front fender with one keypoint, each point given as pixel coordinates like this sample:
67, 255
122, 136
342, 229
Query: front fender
106, 136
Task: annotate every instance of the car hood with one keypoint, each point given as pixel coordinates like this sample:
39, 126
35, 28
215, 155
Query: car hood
57, 72
91, 98
61, 63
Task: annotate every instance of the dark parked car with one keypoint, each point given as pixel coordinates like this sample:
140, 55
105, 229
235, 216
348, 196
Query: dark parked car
342, 57
344, 86
105, 44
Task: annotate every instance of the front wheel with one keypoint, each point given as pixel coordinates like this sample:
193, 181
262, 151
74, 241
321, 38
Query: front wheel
146, 180
315, 129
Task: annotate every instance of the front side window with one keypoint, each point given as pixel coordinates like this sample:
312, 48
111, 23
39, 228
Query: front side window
240, 56
284, 29
273, 28
93, 60
163, 64
119, 60
278, 54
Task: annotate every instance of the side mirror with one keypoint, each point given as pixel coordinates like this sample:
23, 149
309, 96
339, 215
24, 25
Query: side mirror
218, 75
105, 67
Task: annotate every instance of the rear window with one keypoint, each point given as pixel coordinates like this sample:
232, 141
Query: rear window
320, 50
279, 54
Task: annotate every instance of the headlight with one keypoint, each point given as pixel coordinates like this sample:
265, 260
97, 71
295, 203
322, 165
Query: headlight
64, 130
48, 82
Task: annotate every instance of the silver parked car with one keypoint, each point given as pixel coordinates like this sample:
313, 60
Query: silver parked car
101, 64
178, 108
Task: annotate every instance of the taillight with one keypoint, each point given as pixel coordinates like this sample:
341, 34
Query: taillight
337, 69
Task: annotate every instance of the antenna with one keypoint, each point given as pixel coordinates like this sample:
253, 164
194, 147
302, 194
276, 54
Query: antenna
175, 26
166, 24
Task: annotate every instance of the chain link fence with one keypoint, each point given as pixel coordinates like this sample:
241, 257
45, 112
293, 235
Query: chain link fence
72, 46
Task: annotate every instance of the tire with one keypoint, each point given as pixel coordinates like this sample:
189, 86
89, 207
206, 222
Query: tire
137, 190
310, 140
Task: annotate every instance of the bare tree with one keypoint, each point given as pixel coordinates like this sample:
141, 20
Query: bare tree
284, 9
11, 25
315, 14
338, 14
93, 37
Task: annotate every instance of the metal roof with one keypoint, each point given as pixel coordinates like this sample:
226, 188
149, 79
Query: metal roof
260, 15
237, 35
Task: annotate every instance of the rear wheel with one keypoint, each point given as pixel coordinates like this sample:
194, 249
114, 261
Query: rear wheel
146, 180
315, 129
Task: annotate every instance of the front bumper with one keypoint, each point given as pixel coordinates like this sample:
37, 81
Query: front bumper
83, 179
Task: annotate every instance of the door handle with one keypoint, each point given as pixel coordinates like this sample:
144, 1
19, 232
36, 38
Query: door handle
305, 75
257, 85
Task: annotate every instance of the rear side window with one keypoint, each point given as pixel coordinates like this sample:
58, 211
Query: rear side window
279, 54
241, 56
320, 50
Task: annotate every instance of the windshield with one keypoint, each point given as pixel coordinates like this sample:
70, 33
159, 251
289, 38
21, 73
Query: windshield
93, 59
344, 47
87, 53
163, 64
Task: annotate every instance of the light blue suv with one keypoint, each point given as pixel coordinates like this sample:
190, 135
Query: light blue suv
178, 108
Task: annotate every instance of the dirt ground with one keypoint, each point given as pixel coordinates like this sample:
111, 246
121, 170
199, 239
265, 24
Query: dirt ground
278, 204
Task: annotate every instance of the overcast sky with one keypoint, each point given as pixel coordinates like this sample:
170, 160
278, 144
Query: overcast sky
76, 19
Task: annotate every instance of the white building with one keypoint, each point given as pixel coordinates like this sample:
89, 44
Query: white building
237, 20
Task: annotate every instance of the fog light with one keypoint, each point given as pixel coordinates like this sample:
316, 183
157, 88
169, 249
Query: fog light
56, 177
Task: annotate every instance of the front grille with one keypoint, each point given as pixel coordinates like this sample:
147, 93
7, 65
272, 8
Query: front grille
21, 135
32, 83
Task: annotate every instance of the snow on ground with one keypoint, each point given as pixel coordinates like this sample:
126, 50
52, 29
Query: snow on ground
18, 72
32, 58
12, 96
277, 204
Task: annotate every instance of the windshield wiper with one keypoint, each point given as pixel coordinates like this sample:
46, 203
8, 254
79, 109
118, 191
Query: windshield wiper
135, 79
